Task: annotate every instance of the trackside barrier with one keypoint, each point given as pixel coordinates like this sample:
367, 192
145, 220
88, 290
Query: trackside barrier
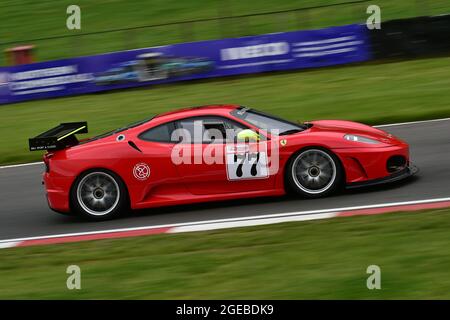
185, 61
406, 38
412, 38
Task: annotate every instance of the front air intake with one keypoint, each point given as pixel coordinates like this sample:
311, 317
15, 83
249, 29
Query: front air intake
395, 164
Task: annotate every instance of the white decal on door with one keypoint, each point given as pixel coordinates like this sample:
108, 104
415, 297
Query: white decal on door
141, 171
246, 162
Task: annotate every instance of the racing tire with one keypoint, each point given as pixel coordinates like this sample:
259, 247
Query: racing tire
99, 195
314, 173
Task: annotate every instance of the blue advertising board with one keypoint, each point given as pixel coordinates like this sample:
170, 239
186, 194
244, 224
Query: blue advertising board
185, 61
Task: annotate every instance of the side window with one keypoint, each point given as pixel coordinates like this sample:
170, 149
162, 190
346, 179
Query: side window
161, 133
186, 130
214, 132
209, 129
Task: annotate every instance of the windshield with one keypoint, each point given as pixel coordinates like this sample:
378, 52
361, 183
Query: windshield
269, 123
109, 133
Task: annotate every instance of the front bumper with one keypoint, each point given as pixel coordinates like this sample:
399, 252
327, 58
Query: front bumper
370, 163
407, 172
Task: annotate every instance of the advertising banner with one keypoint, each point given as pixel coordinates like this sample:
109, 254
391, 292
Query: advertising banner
185, 61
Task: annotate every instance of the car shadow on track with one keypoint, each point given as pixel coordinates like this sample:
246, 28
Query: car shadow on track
383, 187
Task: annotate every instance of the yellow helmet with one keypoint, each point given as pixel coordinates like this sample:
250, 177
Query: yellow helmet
248, 135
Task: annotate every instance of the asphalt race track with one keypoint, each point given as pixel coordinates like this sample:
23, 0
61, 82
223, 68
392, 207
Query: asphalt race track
24, 211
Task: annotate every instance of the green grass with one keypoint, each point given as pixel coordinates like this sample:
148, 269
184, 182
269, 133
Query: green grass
371, 93
407, 91
30, 19
324, 259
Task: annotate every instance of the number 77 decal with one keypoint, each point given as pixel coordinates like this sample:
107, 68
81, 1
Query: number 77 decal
242, 162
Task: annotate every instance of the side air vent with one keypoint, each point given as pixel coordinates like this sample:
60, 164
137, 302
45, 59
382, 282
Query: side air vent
134, 146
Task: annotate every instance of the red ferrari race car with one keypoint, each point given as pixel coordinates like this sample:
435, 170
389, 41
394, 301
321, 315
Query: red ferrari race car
211, 153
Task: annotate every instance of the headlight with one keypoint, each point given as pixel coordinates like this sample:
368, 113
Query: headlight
352, 137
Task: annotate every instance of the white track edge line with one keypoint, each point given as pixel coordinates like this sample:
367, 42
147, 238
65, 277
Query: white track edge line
12, 244
250, 223
20, 165
248, 218
408, 123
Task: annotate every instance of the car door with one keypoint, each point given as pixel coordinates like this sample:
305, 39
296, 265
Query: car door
155, 161
213, 161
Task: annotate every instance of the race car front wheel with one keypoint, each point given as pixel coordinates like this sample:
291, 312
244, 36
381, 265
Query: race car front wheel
99, 195
314, 173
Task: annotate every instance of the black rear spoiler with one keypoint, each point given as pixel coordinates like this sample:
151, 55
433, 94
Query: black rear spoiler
59, 137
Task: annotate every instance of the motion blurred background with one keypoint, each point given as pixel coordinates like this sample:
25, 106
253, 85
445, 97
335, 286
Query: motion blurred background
112, 25
409, 87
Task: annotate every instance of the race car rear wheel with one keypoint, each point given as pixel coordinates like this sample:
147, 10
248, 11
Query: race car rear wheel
99, 195
314, 173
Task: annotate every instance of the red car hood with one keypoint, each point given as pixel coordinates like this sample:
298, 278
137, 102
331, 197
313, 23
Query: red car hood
350, 127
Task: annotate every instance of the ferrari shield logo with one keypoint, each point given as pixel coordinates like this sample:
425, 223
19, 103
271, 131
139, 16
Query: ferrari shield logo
283, 142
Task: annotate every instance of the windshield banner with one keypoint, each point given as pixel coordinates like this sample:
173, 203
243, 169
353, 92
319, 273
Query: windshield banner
185, 61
